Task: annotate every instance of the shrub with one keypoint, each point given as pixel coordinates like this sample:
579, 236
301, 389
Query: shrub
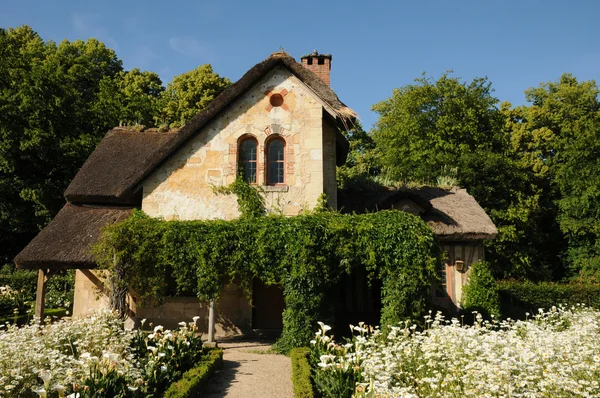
301, 378
194, 380
517, 297
481, 291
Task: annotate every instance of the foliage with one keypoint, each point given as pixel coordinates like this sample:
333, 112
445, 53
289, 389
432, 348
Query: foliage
250, 201
554, 354
481, 292
94, 357
301, 373
11, 301
519, 297
562, 126
60, 288
428, 125
305, 254
189, 93
192, 381
48, 125
361, 165
131, 97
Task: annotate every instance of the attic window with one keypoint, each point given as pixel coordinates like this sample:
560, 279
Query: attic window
309, 61
321, 61
276, 100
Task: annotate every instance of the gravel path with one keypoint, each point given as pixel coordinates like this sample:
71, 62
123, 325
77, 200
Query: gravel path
249, 371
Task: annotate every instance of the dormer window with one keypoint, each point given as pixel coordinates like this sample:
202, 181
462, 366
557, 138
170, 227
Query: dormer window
276, 161
248, 159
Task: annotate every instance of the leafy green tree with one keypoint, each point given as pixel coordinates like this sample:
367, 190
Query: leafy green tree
132, 97
47, 126
189, 93
424, 128
559, 137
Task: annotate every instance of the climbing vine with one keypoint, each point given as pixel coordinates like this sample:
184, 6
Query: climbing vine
305, 254
251, 202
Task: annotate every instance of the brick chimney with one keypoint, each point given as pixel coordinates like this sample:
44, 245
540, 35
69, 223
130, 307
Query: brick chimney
319, 64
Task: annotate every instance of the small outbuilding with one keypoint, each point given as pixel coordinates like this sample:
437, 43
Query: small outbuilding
457, 220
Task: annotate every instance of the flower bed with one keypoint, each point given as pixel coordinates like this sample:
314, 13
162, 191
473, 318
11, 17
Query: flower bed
94, 356
552, 354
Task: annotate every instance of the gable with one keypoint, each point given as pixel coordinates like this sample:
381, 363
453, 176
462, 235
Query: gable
183, 187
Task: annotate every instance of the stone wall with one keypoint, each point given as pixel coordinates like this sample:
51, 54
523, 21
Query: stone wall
183, 187
234, 313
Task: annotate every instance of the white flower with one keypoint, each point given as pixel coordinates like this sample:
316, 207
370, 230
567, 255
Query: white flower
195, 319
158, 328
46, 376
40, 391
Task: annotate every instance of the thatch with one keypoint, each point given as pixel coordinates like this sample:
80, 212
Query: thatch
119, 162
124, 158
66, 242
453, 215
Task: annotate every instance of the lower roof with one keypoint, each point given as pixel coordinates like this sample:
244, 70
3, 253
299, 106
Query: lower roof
67, 241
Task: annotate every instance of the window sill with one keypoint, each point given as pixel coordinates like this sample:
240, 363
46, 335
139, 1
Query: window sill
275, 188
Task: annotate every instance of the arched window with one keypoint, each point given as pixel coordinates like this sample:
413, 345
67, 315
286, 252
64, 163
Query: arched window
276, 161
248, 159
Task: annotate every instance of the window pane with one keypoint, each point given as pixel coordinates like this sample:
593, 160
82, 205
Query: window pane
247, 164
248, 150
276, 150
275, 160
276, 173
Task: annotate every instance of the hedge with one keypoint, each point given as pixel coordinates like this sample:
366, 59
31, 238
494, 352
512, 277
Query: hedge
303, 387
517, 298
194, 380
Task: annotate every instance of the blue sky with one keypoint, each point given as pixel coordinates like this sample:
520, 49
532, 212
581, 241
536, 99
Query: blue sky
376, 45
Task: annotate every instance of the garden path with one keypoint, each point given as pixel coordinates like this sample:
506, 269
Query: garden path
251, 370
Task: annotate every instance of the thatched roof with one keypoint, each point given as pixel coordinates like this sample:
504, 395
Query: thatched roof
66, 242
119, 162
125, 158
453, 214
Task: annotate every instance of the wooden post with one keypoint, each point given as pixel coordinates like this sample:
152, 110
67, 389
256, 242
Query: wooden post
40, 298
211, 321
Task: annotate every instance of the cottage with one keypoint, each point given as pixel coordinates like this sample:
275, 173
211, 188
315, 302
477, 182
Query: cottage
280, 123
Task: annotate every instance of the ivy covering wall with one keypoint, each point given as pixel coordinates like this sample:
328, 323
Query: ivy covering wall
305, 254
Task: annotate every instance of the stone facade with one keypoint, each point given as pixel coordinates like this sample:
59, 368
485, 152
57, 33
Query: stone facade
183, 188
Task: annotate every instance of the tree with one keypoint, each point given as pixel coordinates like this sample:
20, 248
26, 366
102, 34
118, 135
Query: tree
132, 97
424, 128
559, 136
189, 93
47, 126
430, 127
